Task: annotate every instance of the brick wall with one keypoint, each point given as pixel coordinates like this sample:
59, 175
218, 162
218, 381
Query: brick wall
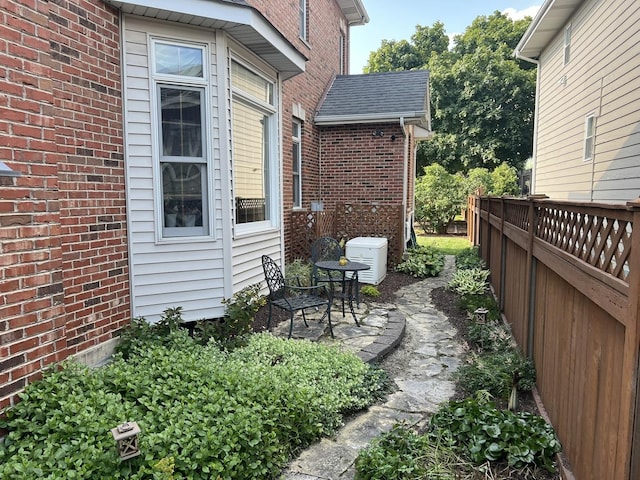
360, 168
63, 257
322, 50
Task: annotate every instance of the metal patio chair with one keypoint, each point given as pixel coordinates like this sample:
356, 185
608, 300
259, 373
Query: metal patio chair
292, 298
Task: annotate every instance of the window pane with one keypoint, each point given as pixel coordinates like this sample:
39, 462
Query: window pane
181, 118
250, 163
251, 83
179, 60
183, 194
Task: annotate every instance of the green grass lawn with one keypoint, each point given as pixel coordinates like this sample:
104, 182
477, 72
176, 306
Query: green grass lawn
448, 244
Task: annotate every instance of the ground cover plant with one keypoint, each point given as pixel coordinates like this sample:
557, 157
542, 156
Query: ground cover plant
204, 412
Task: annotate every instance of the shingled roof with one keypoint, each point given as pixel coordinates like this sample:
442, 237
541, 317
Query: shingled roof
377, 97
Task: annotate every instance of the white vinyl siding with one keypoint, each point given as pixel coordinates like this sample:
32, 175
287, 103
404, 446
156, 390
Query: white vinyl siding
166, 272
601, 79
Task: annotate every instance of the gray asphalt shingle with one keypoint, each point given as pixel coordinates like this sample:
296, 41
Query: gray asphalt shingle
377, 94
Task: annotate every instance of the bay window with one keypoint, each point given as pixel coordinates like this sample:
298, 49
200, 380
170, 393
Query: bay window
254, 140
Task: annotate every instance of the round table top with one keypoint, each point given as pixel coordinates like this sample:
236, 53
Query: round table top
348, 267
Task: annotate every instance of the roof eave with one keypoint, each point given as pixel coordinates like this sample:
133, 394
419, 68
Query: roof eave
415, 118
550, 19
354, 11
244, 23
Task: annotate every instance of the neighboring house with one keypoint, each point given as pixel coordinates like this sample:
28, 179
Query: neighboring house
587, 125
369, 126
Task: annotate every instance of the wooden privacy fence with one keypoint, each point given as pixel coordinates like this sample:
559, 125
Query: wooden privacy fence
348, 221
567, 276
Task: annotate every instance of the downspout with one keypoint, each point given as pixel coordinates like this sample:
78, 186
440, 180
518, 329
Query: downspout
405, 181
534, 152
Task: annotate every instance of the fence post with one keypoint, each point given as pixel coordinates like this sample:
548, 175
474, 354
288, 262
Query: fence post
631, 351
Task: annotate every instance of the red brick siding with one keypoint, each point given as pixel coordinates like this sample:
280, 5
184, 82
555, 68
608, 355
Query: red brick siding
63, 260
361, 168
307, 89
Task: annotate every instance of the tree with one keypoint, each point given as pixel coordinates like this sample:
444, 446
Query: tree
439, 198
401, 55
482, 99
478, 179
504, 181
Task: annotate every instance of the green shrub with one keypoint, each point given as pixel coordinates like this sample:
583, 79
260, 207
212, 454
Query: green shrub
476, 429
471, 302
402, 454
139, 331
204, 413
231, 330
490, 337
469, 258
298, 273
422, 262
369, 291
495, 372
472, 281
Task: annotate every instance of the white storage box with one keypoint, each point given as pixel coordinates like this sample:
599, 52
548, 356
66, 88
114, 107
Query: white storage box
373, 252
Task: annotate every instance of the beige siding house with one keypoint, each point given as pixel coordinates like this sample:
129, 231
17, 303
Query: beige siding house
587, 126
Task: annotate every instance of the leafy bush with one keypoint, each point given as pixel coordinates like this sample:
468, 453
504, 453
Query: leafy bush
469, 258
204, 413
470, 303
490, 337
440, 196
504, 180
472, 281
139, 331
369, 291
402, 454
298, 273
422, 261
231, 331
476, 429
495, 372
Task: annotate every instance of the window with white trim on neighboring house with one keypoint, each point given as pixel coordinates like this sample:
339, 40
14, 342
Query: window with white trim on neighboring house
567, 44
253, 123
589, 136
180, 93
296, 154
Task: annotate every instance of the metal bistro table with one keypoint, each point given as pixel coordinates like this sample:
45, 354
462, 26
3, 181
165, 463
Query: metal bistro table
347, 283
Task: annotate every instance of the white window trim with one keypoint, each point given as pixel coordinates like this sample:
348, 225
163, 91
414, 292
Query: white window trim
566, 50
297, 142
303, 18
243, 229
157, 80
589, 137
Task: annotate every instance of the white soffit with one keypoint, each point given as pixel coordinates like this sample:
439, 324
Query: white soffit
551, 18
354, 11
242, 22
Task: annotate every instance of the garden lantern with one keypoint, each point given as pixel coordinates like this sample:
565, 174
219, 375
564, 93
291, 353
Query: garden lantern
481, 315
126, 436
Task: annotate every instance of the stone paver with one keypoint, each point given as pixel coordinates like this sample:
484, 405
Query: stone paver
414, 342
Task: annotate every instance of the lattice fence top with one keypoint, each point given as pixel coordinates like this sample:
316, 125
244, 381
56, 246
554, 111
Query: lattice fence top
600, 240
346, 222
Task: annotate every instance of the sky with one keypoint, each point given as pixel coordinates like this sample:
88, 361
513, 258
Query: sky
397, 20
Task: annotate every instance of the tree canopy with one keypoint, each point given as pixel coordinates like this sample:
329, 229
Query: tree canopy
482, 98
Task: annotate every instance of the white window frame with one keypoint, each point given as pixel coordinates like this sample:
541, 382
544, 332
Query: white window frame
566, 51
589, 143
342, 46
160, 80
302, 19
271, 110
296, 142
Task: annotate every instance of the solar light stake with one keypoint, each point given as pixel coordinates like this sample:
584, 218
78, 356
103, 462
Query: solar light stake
126, 436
